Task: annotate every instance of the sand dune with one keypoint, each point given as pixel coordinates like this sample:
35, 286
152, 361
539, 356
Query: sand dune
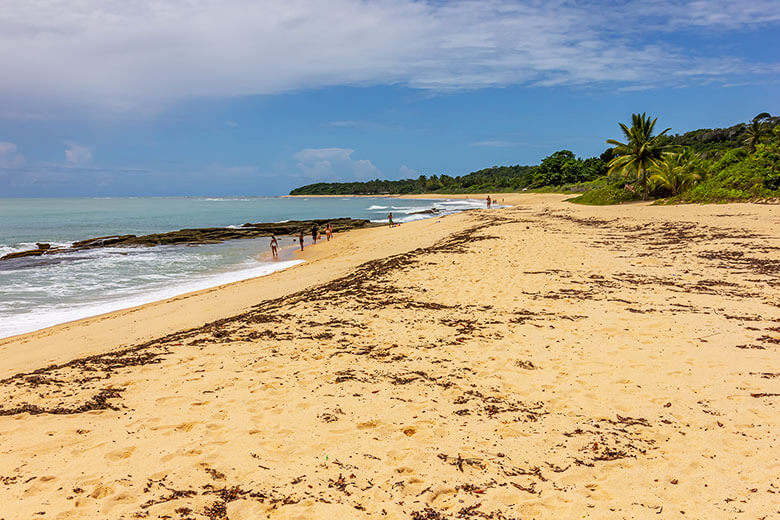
540, 361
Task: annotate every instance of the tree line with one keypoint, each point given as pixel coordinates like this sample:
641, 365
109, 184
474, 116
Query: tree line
739, 162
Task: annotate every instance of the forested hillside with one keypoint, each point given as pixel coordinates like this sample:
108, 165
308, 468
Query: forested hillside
741, 162
558, 169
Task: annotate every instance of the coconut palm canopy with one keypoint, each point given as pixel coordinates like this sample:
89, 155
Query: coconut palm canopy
641, 150
756, 131
677, 171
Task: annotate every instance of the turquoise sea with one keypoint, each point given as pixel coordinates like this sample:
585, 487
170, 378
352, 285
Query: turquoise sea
42, 291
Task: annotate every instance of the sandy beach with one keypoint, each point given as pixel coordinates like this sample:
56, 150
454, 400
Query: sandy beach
541, 361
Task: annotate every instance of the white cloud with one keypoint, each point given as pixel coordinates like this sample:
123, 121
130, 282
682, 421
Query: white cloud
407, 173
334, 163
9, 157
131, 55
363, 125
507, 143
724, 14
77, 154
496, 144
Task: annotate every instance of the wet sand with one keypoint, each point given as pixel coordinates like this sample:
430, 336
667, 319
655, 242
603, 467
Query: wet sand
542, 361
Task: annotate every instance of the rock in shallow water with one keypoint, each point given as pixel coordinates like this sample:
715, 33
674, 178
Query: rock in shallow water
199, 235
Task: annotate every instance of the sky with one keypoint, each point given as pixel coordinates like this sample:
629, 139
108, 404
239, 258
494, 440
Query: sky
107, 98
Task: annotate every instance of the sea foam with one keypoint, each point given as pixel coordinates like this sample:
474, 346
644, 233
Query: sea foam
36, 320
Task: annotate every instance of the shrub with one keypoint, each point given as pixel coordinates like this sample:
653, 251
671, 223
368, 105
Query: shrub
742, 177
614, 193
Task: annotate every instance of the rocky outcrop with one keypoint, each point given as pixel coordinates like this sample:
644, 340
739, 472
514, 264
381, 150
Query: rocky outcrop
198, 236
432, 211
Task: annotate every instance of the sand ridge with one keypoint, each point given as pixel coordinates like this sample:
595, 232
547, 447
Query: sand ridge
539, 361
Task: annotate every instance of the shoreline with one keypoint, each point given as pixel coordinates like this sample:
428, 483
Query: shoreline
159, 317
511, 198
159, 295
536, 361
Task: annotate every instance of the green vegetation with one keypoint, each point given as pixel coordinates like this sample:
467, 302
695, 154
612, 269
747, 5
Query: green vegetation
559, 169
497, 178
614, 192
640, 152
741, 162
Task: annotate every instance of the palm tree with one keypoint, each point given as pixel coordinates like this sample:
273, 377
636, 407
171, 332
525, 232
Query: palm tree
756, 131
640, 151
677, 172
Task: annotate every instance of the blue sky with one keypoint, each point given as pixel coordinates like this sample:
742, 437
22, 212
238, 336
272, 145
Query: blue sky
245, 97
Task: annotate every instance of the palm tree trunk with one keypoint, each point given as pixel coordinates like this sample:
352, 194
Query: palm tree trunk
644, 184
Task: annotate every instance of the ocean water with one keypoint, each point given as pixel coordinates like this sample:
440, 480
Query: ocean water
39, 292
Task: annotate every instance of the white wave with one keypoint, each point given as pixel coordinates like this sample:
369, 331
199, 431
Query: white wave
410, 218
12, 324
462, 202
375, 207
26, 246
7, 250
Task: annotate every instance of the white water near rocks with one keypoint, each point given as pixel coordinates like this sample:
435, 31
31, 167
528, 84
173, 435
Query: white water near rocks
40, 292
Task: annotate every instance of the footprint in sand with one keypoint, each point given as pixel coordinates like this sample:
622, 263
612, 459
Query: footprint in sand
441, 491
120, 454
101, 491
163, 400
185, 427
188, 453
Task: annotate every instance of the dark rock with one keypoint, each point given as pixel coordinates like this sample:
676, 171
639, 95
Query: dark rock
432, 211
100, 241
202, 235
29, 252
42, 245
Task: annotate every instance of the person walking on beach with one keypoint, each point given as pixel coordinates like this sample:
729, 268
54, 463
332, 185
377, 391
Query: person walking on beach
390, 219
488, 202
300, 238
314, 233
274, 247
328, 231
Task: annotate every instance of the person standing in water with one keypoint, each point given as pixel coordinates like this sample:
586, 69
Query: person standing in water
314, 233
300, 238
488, 202
274, 247
390, 219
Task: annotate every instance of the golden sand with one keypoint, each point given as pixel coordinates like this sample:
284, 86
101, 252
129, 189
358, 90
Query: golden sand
542, 361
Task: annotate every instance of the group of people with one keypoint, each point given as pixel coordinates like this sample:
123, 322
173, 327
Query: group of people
315, 235
315, 232
492, 201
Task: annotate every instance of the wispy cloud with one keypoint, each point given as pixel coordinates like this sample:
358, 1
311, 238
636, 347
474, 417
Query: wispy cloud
77, 154
9, 157
334, 163
722, 14
506, 143
363, 125
496, 144
147, 53
407, 173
